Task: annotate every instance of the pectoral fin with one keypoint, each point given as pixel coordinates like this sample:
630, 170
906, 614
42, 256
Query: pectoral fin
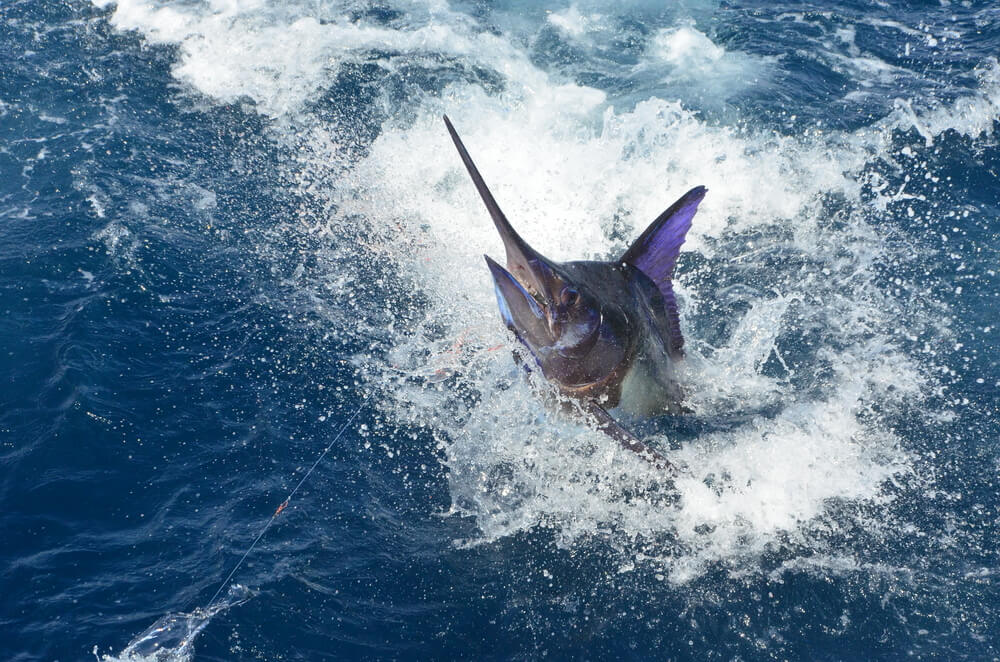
611, 427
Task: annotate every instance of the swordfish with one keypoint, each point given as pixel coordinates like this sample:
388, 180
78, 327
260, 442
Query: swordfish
605, 334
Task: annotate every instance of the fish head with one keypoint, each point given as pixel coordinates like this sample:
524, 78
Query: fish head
576, 339
568, 319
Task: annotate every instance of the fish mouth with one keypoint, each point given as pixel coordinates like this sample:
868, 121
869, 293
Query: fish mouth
526, 306
562, 346
528, 290
529, 269
532, 270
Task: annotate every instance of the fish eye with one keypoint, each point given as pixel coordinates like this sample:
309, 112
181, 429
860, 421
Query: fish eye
569, 296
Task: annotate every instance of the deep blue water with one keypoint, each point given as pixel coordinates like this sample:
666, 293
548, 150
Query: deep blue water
224, 229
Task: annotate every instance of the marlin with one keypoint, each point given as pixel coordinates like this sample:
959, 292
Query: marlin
605, 334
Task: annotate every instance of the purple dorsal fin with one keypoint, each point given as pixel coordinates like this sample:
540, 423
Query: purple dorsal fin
655, 252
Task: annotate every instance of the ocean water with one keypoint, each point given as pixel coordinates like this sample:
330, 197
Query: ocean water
228, 227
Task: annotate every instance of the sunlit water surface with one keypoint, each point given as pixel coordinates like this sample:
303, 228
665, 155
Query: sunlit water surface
227, 227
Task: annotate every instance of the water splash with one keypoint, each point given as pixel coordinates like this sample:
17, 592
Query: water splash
809, 367
171, 638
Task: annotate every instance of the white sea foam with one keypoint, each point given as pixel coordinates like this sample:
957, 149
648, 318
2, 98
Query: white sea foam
280, 55
571, 21
972, 116
578, 178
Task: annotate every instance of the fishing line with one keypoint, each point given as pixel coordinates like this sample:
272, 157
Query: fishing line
284, 504
172, 636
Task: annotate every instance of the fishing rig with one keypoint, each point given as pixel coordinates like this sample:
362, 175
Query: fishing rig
171, 637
